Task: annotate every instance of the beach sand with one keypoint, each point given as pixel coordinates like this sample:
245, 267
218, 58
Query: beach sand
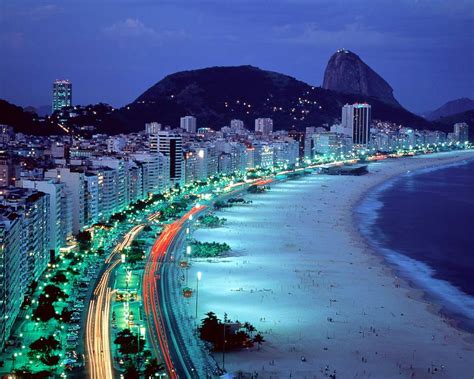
301, 273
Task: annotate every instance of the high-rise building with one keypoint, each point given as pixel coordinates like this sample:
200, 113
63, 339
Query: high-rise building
298, 137
262, 155
188, 123
357, 118
308, 142
91, 198
155, 171
237, 126
121, 185
34, 208
461, 132
62, 94
60, 210
6, 169
170, 144
108, 179
152, 127
11, 256
264, 126
75, 185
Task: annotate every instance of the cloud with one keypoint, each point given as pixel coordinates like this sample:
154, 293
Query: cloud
134, 28
42, 11
351, 34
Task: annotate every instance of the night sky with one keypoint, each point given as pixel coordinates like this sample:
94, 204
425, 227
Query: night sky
113, 50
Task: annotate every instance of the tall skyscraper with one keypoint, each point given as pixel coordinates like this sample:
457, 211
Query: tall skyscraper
11, 256
264, 126
461, 131
171, 145
357, 118
188, 123
62, 94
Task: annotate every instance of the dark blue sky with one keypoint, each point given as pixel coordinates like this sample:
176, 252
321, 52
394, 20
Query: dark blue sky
113, 50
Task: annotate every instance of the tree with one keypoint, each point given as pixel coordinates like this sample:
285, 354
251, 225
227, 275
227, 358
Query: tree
84, 239
50, 359
45, 345
251, 329
51, 293
44, 312
131, 372
258, 339
153, 367
65, 315
60, 277
128, 342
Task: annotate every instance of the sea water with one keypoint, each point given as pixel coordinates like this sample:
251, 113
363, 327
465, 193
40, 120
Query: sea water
423, 224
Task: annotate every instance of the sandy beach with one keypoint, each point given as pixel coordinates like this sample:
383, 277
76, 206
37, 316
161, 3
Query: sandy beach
301, 273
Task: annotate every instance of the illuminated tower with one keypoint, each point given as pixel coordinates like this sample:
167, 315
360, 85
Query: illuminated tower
357, 119
62, 94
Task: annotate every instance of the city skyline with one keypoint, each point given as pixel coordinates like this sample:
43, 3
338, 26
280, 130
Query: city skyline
275, 210
117, 55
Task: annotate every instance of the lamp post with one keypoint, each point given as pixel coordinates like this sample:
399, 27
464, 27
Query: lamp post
198, 279
188, 257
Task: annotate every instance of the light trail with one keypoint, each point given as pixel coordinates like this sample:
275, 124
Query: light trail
151, 300
98, 317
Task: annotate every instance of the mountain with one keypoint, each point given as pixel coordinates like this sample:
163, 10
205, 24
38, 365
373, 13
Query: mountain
347, 73
216, 95
451, 108
446, 123
24, 121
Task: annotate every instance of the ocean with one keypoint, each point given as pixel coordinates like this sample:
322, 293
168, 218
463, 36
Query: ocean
423, 224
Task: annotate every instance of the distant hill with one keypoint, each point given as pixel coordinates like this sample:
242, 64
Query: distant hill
446, 124
451, 108
347, 73
216, 95
25, 121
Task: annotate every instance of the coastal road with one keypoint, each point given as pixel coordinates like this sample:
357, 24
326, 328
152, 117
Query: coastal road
97, 336
163, 330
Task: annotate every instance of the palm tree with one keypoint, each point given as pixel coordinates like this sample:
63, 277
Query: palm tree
251, 329
258, 339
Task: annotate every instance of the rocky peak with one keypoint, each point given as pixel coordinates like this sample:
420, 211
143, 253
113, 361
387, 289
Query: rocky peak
347, 73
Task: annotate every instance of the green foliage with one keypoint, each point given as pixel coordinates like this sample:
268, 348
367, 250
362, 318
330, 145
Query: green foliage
257, 189
153, 367
209, 249
211, 221
45, 345
131, 372
65, 315
60, 277
219, 204
236, 334
84, 239
44, 312
258, 339
128, 342
119, 217
51, 293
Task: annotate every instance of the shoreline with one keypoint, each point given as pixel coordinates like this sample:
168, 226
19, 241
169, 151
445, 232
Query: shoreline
355, 309
415, 288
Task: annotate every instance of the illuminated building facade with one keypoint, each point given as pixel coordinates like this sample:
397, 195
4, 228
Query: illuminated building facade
357, 118
62, 94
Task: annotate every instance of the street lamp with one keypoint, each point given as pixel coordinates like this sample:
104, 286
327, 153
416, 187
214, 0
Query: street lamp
188, 257
198, 279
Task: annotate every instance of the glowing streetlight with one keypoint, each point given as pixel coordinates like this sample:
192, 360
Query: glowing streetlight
198, 279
